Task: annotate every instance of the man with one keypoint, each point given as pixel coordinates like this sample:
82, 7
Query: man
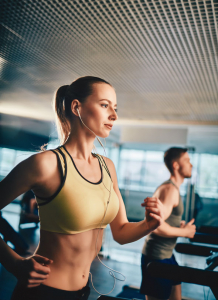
160, 243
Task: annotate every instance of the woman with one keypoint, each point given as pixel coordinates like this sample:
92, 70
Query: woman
77, 194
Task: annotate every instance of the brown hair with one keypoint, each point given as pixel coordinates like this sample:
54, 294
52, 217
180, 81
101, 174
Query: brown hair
172, 155
79, 89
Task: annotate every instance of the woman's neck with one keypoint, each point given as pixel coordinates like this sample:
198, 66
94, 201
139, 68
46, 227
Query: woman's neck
80, 145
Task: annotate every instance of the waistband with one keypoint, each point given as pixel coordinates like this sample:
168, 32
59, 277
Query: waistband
44, 292
51, 291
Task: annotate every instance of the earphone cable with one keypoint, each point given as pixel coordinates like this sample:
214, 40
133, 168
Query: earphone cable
104, 165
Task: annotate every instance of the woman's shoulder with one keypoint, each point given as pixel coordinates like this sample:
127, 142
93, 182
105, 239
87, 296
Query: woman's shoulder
107, 160
43, 157
43, 161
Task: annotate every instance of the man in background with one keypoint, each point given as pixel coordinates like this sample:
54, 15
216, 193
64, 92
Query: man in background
160, 243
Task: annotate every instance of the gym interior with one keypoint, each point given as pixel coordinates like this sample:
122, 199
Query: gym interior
162, 59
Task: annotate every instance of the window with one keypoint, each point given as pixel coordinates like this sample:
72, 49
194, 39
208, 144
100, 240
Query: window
142, 170
207, 182
7, 160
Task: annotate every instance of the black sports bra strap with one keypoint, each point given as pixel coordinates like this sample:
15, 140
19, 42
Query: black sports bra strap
64, 159
63, 177
59, 164
101, 159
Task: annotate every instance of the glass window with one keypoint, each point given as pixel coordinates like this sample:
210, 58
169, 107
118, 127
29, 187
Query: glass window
156, 156
7, 160
132, 155
155, 173
207, 184
22, 155
206, 191
53, 143
142, 170
131, 168
114, 156
155, 170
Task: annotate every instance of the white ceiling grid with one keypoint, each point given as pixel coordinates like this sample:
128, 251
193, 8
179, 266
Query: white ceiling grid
161, 56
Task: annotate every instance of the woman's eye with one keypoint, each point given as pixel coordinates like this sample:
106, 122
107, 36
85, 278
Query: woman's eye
104, 105
115, 110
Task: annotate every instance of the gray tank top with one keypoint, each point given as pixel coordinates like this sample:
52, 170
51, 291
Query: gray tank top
158, 247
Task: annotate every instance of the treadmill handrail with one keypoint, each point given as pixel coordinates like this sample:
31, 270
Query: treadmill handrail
198, 250
205, 238
184, 274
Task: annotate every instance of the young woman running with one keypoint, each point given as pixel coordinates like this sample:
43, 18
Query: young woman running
77, 194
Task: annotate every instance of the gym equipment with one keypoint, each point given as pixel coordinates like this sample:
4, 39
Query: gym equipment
10, 235
195, 249
205, 238
206, 277
208, 229
111, 298
130, 292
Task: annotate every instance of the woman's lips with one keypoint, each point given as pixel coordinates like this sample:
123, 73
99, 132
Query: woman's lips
108, 126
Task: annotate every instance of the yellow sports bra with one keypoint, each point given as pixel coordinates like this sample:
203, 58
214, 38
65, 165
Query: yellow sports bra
78, 205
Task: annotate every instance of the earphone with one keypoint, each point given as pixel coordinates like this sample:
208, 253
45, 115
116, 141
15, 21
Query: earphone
108, 201
89, 129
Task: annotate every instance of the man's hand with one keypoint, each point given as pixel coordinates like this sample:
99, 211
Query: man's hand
190, 229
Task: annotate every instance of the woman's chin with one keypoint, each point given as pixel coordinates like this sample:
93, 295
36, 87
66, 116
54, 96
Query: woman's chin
103, 135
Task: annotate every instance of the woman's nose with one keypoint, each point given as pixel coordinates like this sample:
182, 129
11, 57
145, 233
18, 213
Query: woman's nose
114, 115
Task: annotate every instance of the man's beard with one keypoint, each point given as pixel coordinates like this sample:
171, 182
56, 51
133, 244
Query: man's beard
184, 175
188, 176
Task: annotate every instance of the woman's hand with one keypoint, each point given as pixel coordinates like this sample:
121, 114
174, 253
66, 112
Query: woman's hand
32, 271
154, 215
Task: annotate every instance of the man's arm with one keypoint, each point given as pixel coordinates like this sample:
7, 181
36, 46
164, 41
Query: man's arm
168, 196
166, 230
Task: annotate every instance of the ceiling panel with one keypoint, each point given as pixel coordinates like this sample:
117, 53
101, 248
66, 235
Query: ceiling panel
161, 56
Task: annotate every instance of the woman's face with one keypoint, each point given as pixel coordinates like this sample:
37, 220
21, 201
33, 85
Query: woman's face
98, 112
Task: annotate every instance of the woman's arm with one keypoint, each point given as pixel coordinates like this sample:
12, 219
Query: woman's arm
30, 271
29, 174
125, 232
25, 176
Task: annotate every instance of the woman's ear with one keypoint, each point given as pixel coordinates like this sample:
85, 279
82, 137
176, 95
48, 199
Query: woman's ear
75, 106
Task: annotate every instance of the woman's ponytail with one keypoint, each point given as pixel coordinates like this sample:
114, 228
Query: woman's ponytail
63, 124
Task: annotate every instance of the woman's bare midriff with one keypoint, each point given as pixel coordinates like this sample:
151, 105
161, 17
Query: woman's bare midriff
72, 255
